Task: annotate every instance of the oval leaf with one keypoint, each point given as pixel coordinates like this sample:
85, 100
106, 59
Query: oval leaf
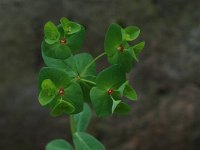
48, 92
58, 144
84, 141
113, 39
111, 77
62, 107
51, 33
101, 102
136, 49
83, 118
131, 33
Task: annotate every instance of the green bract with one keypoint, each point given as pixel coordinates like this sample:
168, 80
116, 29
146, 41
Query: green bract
60, 42
69, 27
69, 84
57, 92
117, 47
51, 33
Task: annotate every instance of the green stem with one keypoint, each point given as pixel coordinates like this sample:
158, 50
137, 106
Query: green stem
99, 56
88, 81
72, 124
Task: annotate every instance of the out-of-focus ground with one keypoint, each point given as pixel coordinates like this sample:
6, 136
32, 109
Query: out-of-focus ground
167, 78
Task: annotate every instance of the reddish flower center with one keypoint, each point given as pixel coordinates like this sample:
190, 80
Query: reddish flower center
110, 91
63, 41
61, 91
121, 48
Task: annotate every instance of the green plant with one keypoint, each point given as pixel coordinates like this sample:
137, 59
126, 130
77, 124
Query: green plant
70, 81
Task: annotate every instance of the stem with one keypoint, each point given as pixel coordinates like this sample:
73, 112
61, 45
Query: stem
72, 124
99, 56
88, 81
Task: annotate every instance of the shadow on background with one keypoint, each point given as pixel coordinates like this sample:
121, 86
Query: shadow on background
167, 78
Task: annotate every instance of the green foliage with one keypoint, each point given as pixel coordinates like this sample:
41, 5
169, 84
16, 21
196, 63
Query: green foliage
83, 118
70, 81
51, 33
84, 141
58, 144
117, 47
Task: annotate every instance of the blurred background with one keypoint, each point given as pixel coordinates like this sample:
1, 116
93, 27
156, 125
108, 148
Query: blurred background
167, 78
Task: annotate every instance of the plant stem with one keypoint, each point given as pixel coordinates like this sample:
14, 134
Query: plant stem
72, 124
88, 81
99, 56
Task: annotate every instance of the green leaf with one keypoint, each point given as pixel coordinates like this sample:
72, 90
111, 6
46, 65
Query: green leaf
131, 33
84, 141
48, 92
62, 107
76, 65
113, 39
53, 62
83, 118
122, 58
75, 40
54, 54
74, 95
126, 90
115, 104
101, 102
136, 49
57, 76
51, 33
111, 77
122, 108
58, 144
69, 26
64, 22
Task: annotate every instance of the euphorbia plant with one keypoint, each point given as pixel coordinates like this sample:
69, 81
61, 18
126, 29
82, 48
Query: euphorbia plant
70, 85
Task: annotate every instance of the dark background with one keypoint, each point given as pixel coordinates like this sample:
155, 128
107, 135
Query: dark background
167, 78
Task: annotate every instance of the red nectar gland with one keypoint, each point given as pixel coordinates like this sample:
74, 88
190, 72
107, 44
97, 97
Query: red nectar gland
63, 41
110, 91
121, 48
61, 91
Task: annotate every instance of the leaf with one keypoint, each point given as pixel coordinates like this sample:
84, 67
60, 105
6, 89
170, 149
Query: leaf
122, 58
126, 90
84, 141
111, 77
75, 41
83, 118
131, 33
56, 51
52, 62
64, 22
101, 102
76, 65
74, 95
48, 92
122, 108
115, 104
51, 33
136, 49
62, 107
57, 76
113, 39
58, 144
69, 26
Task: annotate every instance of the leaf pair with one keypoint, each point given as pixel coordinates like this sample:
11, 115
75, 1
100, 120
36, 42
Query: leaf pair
111, 85
61, 41
57, 92
117, 48
81, 139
